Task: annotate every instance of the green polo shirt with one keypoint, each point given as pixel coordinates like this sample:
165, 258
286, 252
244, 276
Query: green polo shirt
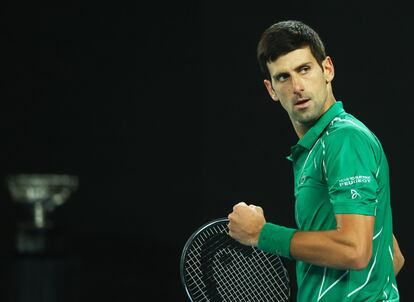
340, 168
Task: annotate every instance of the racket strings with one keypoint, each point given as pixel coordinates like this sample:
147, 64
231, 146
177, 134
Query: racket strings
243, 279
220, 269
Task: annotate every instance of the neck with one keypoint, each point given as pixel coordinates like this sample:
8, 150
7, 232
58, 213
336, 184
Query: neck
301, 129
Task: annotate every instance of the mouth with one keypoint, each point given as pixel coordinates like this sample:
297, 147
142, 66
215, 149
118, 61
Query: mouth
301, 103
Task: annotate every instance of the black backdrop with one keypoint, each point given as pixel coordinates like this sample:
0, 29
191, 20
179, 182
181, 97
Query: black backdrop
161, 112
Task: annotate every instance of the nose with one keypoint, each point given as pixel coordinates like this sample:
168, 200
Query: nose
297, 84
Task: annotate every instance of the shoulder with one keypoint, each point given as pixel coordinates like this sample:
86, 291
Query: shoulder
346, 126
347, 134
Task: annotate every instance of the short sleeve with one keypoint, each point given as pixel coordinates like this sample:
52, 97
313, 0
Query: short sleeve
350, 169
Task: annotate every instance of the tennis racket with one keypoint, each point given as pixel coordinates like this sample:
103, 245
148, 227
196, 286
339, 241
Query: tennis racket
215, 267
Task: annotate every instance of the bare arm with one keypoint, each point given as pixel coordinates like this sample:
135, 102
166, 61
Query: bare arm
398, 257
349, 246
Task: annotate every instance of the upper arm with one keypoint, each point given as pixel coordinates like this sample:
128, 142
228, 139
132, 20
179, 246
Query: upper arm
351, 166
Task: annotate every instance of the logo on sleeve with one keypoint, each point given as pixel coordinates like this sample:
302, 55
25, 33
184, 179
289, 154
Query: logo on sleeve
348, 181
355, 194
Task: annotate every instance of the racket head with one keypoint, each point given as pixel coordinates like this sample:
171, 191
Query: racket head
215, 267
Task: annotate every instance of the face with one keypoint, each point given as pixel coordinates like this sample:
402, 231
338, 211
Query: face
301, 86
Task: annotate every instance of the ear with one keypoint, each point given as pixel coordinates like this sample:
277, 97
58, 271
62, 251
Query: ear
270, 90
328, 69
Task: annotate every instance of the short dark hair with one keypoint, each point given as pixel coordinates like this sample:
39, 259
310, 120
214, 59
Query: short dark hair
286, 36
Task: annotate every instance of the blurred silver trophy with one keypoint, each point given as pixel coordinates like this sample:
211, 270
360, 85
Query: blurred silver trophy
42, 193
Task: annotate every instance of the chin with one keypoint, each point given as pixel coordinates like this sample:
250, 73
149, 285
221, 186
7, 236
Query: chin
308, 119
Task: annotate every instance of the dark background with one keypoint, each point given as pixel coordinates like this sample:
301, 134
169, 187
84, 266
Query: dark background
160, 110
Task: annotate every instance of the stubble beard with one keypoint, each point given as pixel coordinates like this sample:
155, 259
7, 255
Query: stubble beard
308, 117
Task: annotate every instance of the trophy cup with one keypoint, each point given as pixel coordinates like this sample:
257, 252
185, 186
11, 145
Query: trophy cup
41, 193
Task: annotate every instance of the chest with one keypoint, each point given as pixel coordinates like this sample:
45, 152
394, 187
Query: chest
313, 209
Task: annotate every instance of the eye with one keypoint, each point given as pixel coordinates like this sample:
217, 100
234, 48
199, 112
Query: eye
282, 77
304, 69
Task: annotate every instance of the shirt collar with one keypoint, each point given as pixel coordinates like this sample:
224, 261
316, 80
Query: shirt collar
309, 139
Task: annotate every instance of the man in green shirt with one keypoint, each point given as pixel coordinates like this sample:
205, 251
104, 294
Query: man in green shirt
344, 245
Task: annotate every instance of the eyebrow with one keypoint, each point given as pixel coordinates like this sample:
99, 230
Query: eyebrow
277, 75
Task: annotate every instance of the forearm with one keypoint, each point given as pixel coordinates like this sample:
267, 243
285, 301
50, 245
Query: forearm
330, 248
398, 264
398, 260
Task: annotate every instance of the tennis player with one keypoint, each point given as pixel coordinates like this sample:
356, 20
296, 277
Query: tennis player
344, 245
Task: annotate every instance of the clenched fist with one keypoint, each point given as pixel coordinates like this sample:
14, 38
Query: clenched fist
246, 222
